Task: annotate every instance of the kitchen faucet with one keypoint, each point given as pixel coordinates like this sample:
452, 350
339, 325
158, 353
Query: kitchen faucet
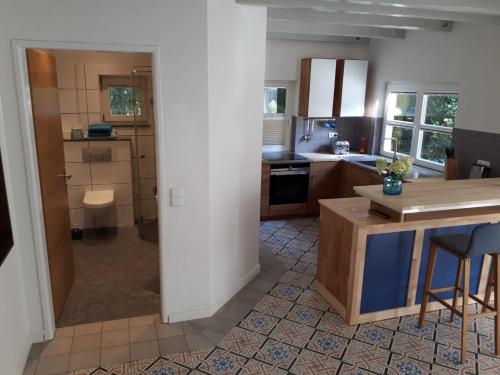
395, 156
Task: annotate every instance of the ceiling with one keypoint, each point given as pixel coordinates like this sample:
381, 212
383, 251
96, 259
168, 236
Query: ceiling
358, 20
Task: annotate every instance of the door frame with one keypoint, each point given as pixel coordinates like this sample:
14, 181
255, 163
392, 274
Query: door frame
31, 162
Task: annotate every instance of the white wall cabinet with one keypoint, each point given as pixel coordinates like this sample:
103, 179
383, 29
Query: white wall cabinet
350, 88
330, 87
317, 87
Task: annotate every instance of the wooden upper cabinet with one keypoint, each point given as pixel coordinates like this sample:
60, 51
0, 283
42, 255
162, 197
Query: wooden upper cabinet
330, 87
350, 88
317, 87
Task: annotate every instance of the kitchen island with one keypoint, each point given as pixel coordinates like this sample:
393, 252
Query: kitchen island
372, 267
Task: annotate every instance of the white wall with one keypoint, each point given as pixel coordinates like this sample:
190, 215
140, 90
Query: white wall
283, 56
179, 30
236, 54
467, 55
14, 332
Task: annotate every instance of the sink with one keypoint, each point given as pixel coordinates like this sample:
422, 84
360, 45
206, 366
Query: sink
369, 163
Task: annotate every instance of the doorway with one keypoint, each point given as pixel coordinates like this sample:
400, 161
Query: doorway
112, 271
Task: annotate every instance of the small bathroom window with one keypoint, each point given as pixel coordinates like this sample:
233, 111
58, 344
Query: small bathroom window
123, 99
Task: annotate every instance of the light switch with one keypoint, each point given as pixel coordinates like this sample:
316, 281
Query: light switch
176, 197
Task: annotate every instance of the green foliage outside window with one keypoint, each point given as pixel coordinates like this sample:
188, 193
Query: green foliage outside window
125, 101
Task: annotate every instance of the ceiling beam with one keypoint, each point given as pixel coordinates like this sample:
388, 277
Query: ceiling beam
464, 6
317, 38
310, 15
383, 10
309, 28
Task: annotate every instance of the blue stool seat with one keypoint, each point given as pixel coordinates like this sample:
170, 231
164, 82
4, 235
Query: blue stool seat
456, 243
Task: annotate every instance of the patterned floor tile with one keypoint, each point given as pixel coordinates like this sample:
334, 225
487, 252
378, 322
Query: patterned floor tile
278, 240
254, 367
292, 252
190, 359
277, 353
292, 333
328, 344
222, 362
296, 226
311, 229
264, 236
304, 267
335, 324
304, 315
241, 341
258, 322
488, 365
288, 262
349, 369
414, 346
311, 363
286, 291
403, 365
267, 229
312, 299
297, 279
308, 237
309, 257
273, 306
276, 223
290, 233
302, 245
449, 357
366, 356
374, 335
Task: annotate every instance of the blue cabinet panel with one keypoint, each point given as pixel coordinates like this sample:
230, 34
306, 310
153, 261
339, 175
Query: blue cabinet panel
387, 266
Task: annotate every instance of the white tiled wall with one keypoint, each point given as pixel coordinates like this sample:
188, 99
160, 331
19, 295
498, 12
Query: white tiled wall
115, 175
86, 79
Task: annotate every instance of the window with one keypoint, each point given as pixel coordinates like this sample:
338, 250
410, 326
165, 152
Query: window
274, 101
123, 100
420, 119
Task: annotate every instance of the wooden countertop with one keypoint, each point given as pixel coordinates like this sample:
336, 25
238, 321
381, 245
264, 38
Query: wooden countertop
437, 196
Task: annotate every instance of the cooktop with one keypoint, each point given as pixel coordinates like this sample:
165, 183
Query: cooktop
283, 156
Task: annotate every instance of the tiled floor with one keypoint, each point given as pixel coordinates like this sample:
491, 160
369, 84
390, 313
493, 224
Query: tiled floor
292, 330
116, 276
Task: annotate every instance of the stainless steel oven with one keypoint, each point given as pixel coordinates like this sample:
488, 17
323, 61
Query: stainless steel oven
289, 183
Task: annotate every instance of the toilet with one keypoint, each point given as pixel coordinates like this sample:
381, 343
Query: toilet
98, 202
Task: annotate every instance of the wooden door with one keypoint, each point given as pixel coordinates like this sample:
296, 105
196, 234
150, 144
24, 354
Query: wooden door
51, 168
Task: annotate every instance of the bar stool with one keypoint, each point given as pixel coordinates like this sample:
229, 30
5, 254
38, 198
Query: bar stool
485, 239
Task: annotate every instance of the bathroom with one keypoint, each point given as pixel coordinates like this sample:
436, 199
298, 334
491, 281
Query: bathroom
107, 138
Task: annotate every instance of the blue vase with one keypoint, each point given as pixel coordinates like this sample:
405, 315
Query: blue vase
393, 185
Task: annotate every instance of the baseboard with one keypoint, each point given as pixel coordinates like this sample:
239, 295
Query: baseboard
180, 316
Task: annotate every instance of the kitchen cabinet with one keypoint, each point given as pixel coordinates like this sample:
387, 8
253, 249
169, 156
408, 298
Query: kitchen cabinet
330, 87
350, 88
264, 190
325, 178
353, 175
317, 87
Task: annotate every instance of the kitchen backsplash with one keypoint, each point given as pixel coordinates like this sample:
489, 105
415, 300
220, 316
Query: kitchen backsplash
351, 129
471, 145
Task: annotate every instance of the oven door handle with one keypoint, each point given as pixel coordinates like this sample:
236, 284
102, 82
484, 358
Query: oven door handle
289, 172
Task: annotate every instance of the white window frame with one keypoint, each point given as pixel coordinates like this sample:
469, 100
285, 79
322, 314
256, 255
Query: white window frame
286, 117
268, 116
123, 81
418, 125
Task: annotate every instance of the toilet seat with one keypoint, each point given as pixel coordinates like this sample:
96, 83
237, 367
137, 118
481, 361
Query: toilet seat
99, 199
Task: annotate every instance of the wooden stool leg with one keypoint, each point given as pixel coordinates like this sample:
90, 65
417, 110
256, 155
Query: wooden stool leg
496, 272
465, 309
457, 284
489, 286
428, 283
